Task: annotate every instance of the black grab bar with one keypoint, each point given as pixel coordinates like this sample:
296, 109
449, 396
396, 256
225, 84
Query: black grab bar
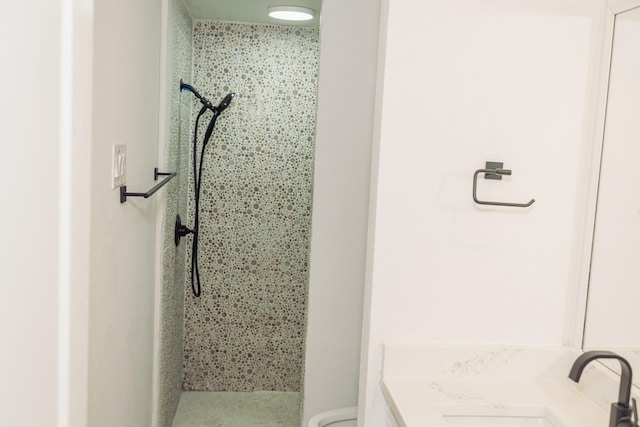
169, 176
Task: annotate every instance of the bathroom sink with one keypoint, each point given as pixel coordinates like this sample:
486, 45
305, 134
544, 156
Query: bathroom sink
500, 421
486, 421
508, 417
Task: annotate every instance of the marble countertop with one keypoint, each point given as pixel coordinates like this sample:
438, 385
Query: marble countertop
422, 384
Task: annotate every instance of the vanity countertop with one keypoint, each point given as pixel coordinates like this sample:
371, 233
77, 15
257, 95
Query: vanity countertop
422, 384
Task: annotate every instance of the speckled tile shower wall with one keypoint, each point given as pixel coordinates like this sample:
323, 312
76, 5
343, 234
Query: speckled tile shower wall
246, 331
176, 152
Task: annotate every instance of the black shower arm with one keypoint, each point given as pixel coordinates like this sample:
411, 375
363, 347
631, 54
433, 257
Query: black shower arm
190, 88
202, 99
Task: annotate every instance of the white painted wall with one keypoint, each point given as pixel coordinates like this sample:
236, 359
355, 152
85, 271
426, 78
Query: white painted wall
29, 270
468, 82
45, 122
348, 54
126, 96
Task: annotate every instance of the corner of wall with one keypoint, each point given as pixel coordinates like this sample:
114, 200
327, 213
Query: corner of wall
169, 290
370, 369
341, 202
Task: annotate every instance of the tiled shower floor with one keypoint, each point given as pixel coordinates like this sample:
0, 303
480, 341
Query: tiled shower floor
231, 409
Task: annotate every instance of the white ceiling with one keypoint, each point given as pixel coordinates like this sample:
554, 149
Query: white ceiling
254, 11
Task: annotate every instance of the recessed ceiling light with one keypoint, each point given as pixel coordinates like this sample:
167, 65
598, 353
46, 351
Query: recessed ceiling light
290, 13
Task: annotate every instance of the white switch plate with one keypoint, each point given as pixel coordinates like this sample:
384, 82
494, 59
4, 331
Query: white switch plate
119, 166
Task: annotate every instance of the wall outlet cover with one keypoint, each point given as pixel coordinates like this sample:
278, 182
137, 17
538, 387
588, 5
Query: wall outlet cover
119, 166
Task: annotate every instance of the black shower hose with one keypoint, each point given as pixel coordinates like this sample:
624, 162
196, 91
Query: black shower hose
197, 182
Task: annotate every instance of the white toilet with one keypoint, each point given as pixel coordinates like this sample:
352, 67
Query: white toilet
345, 417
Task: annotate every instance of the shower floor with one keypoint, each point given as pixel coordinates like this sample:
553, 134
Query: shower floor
233, 409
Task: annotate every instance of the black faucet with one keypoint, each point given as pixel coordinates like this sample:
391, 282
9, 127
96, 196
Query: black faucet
622, 411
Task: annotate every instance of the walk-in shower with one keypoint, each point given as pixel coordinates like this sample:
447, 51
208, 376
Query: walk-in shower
244, 202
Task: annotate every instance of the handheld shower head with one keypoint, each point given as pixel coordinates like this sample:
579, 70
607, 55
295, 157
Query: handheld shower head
225, 102
217, 110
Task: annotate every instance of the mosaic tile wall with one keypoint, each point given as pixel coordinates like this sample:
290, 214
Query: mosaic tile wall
246, 331
176, 152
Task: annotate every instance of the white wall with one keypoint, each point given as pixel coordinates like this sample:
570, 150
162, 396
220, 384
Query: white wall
44, 267
29, 263
126, 85
468, 82
348, 53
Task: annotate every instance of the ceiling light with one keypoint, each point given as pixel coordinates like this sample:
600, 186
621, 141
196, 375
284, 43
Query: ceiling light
290, 13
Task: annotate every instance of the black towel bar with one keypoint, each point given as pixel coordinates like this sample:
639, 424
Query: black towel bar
156, 174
